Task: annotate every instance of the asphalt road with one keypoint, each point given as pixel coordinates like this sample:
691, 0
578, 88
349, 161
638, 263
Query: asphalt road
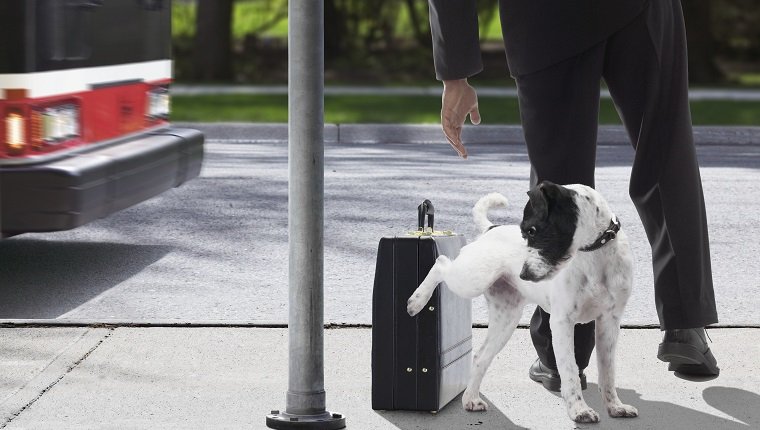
215, 249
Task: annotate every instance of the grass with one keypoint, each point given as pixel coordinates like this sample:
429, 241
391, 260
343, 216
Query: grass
749, 79
415, 110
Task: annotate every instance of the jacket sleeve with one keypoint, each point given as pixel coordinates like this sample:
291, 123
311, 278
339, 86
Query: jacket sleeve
456, 42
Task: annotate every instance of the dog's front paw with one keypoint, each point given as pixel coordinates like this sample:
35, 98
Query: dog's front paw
414, 305
475, 404
622, 411
583, 414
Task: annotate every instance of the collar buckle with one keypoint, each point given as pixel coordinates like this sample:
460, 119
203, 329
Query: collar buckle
608, 236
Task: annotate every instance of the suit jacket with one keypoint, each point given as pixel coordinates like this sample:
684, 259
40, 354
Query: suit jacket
537, 33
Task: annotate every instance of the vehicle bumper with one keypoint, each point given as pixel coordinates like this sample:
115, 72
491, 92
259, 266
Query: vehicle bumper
72, 191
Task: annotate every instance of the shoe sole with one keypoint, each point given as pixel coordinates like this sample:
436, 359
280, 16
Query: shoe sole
552, 384
688, 359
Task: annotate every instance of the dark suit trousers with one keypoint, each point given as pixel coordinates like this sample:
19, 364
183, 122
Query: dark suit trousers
645, 68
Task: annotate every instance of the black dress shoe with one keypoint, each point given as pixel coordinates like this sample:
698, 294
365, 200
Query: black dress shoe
687, 352
550, 377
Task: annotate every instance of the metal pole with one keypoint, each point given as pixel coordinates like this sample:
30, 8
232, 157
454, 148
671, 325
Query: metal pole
305, 399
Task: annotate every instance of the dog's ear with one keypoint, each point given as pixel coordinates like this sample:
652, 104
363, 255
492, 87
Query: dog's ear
551, 190
538, 202
542, 196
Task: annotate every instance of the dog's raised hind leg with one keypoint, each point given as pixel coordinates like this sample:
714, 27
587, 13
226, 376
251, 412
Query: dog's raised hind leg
422, 294
502, 321
607, 330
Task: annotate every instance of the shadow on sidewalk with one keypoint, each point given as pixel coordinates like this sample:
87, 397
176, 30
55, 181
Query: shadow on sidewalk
452, 416
42, 279
740, 404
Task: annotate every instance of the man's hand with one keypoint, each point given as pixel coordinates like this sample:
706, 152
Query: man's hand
459, 100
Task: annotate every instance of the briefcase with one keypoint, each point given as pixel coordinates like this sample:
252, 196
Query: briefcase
419, 363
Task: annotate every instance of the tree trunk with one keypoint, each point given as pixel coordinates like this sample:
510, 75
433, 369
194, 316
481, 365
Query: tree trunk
213, 40
701, 41
336, 31
421, 28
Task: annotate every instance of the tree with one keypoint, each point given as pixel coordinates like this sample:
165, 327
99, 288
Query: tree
418, 17
701, 42
212, 56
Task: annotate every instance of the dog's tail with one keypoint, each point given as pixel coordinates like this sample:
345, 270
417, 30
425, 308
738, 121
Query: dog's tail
480, 210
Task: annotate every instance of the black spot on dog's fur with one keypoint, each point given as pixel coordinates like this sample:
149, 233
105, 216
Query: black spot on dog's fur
583, 280
553, 213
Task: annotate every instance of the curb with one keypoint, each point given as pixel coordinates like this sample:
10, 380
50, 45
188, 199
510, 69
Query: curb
695, 94
115, 323
431, 133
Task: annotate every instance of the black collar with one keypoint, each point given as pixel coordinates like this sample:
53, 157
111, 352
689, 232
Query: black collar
608, 236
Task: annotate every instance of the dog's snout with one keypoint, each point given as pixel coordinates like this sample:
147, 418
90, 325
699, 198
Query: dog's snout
525, 274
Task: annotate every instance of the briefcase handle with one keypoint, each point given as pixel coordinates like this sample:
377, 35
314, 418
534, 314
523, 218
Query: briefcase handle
425, 210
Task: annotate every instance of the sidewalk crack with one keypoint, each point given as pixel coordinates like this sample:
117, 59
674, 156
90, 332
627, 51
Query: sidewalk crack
68, 370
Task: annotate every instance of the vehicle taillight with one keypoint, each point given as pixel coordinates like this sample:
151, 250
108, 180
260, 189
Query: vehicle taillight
33, 129
15, 134
55, 124
158, 103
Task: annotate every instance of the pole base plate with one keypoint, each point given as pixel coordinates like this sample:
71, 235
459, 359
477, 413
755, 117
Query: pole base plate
324, 421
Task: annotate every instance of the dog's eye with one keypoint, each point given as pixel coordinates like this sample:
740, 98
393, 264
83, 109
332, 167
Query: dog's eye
531, 231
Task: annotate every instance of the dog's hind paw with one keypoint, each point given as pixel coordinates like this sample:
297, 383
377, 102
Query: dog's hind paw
474, 405
622, 411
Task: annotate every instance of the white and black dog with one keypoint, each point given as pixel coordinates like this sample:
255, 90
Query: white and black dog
570, 257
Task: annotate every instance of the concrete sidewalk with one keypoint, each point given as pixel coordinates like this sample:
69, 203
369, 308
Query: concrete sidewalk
229, 378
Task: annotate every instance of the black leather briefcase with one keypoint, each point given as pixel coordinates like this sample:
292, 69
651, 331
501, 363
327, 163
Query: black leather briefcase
419, 363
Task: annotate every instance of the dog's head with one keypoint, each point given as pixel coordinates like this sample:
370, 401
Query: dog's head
558, 220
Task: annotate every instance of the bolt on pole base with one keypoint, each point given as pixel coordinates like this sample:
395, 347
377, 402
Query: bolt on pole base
324, 421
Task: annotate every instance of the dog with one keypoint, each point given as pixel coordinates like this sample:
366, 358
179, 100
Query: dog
569, 256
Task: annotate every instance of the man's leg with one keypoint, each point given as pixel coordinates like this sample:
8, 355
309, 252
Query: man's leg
646, 71
559, 109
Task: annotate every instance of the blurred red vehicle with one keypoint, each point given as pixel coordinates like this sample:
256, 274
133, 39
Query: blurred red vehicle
84, 109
